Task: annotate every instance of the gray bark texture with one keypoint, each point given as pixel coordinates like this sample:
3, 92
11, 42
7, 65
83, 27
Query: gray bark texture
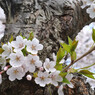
51, 21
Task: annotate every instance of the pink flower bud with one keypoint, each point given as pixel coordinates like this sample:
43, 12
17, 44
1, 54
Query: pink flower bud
29, 77
41, 68
6, 68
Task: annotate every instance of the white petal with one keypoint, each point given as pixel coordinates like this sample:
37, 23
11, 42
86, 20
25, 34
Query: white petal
60, 90
70, 85
40, 47
0, 78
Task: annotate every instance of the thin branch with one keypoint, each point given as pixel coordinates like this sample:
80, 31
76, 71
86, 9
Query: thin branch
72, 62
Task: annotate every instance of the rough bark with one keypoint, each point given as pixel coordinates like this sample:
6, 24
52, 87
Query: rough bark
58, 19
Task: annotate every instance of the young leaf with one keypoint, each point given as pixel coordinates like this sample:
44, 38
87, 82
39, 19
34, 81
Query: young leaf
74, 45
63, 74
87, 73
11, 39
73, 55
93, 34
65, 80
70, 41
1, 50
59, 67
31, 36
66, 47
60, 54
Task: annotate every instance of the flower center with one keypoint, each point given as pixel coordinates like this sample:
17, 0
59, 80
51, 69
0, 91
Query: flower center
17, 58
15, 71
20, 45
33, 47
42, 78
32, 61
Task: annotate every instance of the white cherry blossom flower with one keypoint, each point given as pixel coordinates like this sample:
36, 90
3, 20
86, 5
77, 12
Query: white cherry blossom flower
49, 65
55, 78
91, 11
33, 62
19, 44
15, 73
42, 79
7, 49
60, 90
84, 4
16, 59
2, 62
0, 78
69, 77
87, 3
2, 15
33, 46
2, 29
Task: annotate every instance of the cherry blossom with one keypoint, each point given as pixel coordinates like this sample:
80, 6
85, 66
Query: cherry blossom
7, 49
33, 62
15, 73
69, 77
84, 4
49, 65
55, 78
42, 79
0, 78
16, 59
19, 44
2, 62
91, 11
2, 15
33, 46
60, 90
2, 29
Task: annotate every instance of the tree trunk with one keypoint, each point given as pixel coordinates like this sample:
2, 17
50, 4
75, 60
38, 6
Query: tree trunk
51, 21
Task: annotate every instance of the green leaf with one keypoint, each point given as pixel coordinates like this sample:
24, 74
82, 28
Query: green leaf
87, 73
1, 50
66, 47
70, 41
74, 45
93, 35
65, 80
31, 36
63, 74
60, 54
24, 51
73, 55
11, 39
59, 67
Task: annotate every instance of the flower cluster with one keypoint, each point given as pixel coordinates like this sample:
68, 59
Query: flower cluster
13, 57
19, 58
91, 9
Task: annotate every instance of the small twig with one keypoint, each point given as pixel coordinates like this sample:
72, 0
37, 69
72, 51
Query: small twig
72, 62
